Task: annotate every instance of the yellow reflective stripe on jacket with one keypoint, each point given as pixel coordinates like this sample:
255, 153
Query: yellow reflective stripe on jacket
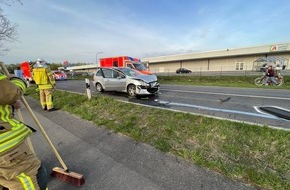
4, 112
20, 83
14, 140
45, 86
26, 182
2, 76
15, 135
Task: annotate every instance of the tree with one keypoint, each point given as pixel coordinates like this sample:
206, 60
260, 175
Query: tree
8, 30
54, 66
12, 67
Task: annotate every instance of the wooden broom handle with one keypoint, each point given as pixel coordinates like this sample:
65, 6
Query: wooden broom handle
38, 124
28, 139
44, 133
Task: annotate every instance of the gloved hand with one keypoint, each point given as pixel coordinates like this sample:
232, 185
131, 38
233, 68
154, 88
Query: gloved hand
16, 104
53, 86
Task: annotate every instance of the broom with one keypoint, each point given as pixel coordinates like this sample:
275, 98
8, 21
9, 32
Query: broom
28, 139
62, 173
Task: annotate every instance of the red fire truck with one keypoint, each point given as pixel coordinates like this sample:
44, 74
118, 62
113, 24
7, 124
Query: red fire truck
125, 61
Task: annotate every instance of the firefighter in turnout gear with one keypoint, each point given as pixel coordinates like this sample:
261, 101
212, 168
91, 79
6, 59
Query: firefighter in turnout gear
43, 77
19, 166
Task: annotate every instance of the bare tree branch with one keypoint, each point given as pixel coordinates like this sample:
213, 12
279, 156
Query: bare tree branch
6, 2
8, 32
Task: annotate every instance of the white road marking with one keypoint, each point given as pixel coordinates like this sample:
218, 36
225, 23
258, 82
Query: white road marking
268, 116
210, 116
226, 94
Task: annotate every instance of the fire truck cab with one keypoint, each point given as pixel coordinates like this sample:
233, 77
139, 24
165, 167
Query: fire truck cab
125, 61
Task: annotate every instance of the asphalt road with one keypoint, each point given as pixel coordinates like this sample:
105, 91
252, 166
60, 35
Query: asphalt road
112, 161
238, 104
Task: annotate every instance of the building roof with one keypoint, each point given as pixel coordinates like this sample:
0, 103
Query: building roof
262, 50
78, 67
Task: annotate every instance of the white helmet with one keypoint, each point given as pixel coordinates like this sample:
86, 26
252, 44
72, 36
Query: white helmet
40, 63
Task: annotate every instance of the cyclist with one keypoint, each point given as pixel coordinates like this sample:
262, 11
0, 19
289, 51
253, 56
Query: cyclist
270, 76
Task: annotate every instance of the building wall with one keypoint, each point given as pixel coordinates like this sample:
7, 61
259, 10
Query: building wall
223, 60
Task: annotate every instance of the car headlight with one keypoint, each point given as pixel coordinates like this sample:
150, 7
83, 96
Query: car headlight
142, 83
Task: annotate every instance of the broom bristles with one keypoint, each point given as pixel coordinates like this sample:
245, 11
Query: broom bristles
67, 176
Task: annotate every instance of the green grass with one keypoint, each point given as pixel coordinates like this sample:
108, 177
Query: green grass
252, 154
228, 81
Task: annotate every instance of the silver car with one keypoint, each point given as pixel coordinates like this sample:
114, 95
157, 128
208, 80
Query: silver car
127, 80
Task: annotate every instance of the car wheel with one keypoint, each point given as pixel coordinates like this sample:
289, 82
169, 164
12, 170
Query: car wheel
131, 89
99, 88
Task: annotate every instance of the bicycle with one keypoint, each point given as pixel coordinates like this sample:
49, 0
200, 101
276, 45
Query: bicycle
260, 81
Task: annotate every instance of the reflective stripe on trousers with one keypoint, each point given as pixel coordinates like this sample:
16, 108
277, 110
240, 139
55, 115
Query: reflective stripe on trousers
26, 182
46, 98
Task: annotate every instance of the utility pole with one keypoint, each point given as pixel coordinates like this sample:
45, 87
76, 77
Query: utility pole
97, 56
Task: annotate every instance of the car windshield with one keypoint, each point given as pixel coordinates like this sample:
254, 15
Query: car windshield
129, 72
139, 66
58, 72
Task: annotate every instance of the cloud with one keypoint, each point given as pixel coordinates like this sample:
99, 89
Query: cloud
76, 30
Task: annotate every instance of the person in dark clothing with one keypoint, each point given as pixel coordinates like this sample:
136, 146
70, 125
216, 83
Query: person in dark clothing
270, 75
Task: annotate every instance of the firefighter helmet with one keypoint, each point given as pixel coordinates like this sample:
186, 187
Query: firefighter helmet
40, 63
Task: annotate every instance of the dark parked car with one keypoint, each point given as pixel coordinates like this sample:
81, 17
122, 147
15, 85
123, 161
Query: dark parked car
183, 70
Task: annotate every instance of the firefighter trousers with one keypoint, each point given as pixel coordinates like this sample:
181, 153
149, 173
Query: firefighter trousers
46, 98
19, 168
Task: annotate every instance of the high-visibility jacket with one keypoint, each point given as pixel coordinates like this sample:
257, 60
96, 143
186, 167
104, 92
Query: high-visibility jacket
43, 77
12, 132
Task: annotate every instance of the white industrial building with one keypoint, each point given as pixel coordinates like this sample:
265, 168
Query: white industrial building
245, 58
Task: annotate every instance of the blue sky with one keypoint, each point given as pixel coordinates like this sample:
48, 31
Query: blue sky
76, 30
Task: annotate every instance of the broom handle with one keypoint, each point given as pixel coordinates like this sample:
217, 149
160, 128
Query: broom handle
28, 139
44, 133
38, 124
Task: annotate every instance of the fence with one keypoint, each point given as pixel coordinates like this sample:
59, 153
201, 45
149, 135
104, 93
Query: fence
219, 73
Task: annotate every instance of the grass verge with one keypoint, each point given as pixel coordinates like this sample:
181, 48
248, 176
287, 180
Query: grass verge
252, 154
